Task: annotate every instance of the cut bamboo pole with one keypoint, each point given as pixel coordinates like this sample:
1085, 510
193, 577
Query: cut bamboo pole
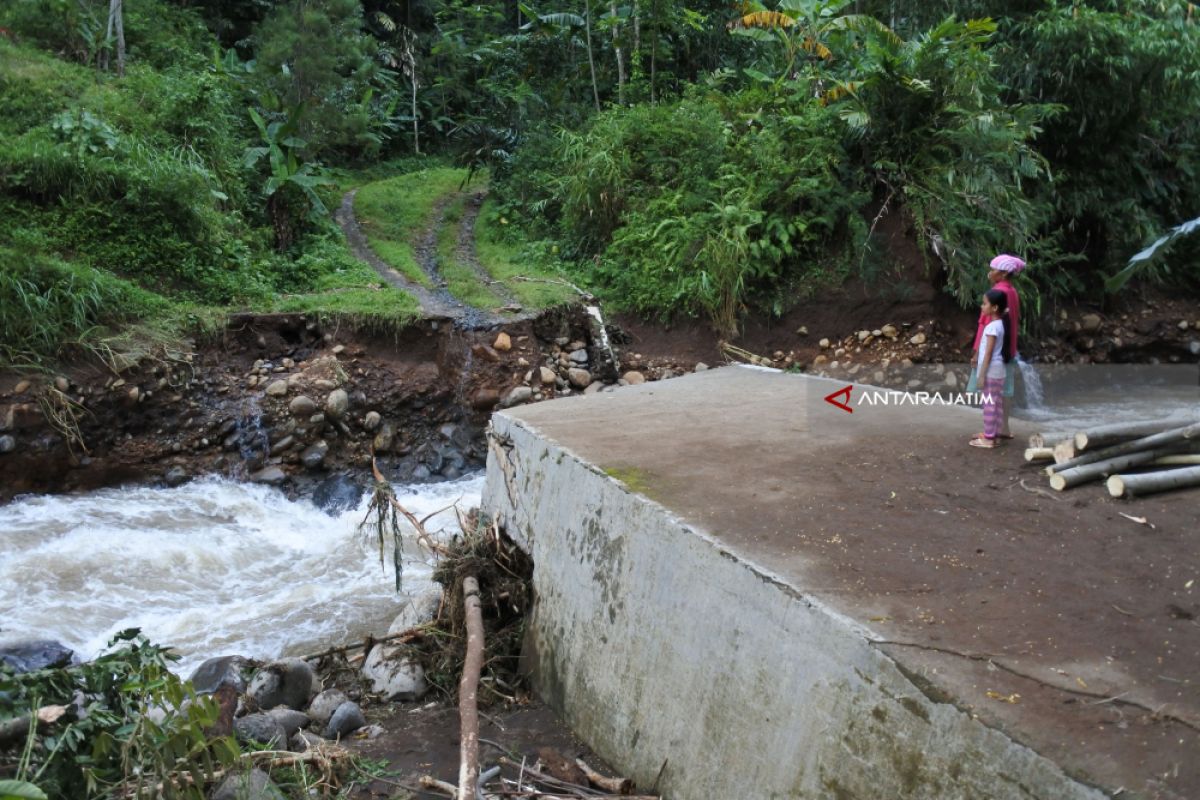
1049, 439
1151, 482
1154, 442
1085, 473
1103, 435
1064, 452
468, 687
1179, 460
1039, 454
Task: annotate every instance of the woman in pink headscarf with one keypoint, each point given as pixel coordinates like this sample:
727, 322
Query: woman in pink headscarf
1002, 268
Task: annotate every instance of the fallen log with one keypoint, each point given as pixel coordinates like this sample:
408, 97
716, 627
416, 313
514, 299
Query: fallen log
1151, 482
1039, 454
468, 687
1156, 441
1177, 460
1122, 432
1085, 473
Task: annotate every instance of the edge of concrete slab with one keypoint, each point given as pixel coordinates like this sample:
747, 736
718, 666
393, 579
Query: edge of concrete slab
702, 674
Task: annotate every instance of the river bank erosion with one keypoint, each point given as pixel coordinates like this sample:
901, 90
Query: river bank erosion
842, 605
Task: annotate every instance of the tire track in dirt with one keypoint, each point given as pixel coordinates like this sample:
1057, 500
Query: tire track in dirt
467, 254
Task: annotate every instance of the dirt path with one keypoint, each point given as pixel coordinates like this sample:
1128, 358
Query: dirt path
434, 303
466, 253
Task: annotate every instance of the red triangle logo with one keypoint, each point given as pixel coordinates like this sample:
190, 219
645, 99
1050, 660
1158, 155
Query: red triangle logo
844, 406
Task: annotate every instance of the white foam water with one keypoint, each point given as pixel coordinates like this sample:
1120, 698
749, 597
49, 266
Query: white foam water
210, 568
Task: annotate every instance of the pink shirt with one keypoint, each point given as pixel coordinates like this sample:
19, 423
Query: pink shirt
1014, 317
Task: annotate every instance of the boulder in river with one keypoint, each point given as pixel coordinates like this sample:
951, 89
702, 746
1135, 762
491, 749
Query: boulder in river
35, 654
337, 493
175, 476
270, 475
220, 671
288, 682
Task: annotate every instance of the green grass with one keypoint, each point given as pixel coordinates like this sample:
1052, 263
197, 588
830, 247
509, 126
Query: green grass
395, 212
461, 280
507, 261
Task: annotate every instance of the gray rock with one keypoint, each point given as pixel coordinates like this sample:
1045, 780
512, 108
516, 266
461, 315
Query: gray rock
371, 420
7, 444
516, 396
262, 728
252, 785
277, 388
337, 403
216, 672
633, 377
35, 654
421, 473
302, 406
336, 494
420, 609
579, 356
304, 741
345, 720
283, 444
175, 476
314, 454
579, 378
290, 720
385, 438
701, 367
288, 682
270, 475
546, 375
323, 705
394, 674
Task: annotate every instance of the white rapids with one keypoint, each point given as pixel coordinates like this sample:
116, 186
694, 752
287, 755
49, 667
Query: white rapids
211, 568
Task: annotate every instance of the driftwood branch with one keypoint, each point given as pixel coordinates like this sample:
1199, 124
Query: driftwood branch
404, 636
610, 785
468, 688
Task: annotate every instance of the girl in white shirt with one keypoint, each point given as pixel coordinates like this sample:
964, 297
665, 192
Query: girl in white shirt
993, 356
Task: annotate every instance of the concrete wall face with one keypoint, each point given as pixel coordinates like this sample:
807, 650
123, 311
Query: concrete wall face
659, 646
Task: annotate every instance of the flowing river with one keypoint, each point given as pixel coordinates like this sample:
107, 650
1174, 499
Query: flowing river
214, 567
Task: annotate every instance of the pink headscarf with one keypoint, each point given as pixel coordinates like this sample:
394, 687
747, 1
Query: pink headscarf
1007, 263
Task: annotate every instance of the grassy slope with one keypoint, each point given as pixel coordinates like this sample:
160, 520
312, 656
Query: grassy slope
506, 262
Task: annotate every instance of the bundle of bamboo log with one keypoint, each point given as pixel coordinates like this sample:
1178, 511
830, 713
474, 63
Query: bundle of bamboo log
1136, 458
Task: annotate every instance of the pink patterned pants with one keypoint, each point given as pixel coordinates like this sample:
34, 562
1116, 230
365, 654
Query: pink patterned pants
993, 406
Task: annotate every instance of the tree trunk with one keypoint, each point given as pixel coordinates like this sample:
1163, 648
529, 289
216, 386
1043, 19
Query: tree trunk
587, 21
1151, 482
1121, 432
468, 687
1039, 454
1158, 440
281, 221
654, 52
616, 39
1096, 470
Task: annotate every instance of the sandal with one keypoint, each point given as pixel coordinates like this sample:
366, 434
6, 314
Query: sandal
999, 439
983, 441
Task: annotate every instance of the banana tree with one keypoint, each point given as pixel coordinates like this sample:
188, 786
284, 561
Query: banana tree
804, 27
291, 177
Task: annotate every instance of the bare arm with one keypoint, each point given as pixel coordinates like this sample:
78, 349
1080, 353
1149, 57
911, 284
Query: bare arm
989, 344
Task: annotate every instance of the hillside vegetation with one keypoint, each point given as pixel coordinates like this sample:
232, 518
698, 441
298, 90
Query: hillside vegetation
696, 160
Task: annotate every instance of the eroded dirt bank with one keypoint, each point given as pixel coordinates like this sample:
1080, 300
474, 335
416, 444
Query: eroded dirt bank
285, 400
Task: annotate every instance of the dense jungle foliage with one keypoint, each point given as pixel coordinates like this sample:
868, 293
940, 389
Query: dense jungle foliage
161, 160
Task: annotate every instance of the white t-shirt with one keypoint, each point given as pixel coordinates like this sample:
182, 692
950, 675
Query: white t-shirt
995, 368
